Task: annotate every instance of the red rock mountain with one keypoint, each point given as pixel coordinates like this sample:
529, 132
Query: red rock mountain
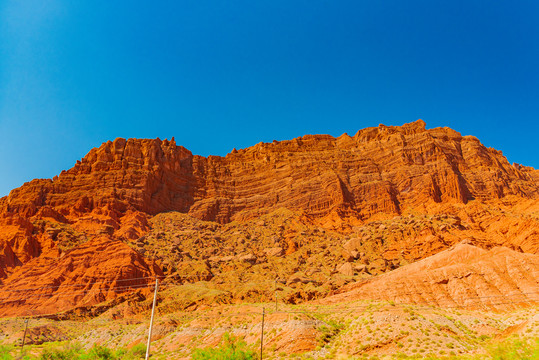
49, 229
384, 169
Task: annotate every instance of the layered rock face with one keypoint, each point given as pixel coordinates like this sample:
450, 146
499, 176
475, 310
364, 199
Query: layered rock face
147, 175
96, 271
378, 170
389, 195
461, 276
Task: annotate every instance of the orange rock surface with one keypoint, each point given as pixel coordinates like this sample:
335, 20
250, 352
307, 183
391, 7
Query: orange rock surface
385, 169
76, 227
461, 276
98, 270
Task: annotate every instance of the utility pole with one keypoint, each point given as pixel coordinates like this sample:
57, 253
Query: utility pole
24, 336
151, 319
262, 334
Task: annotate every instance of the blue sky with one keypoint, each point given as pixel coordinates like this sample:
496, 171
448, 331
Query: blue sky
223, 74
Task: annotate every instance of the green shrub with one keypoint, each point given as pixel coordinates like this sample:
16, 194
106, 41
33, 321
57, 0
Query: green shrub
230, 348
5, 352
68, 352
75, 351
136, 352
329, 332
515, 349
99, 352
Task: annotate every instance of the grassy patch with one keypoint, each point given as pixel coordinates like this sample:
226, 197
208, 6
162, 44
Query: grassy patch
230, 348
74, 351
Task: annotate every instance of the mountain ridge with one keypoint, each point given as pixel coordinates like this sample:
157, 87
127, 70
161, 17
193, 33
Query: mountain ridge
354, 207
154, 176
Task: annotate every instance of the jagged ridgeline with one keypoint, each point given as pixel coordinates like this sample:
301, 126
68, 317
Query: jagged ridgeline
316, 212
386, 169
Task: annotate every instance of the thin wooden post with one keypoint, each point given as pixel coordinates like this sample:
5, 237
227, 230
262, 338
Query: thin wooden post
24, 336
151, 319
262, 334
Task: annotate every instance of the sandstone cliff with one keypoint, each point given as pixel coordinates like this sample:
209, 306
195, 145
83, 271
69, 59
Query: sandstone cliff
379, 170
386, 196
98, 270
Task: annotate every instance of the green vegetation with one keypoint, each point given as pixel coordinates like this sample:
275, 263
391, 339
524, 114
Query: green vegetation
230, 348
5, 351
509, 349
233, 348
515, 349
74, 351
329, 332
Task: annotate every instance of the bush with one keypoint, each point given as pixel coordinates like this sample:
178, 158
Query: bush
136, 352
99, 352
230, 348
75, 351
515, 349
68, 352
331, 331
5, 352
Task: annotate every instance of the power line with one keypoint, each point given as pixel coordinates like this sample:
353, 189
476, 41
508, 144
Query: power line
83, 284
369, 307
127, 288
83, 292
119, 280
184, 276
331, 311
139, 286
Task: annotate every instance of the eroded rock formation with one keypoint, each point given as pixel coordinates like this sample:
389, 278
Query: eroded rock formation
379, 170
96, 271
438, 187
461, 276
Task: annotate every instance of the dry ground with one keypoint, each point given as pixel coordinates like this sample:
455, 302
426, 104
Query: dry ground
355, 329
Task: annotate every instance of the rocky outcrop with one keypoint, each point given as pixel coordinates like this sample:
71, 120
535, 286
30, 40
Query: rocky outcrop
378, 170
148, 175
18, 244
51, 227
463, 276
96, 271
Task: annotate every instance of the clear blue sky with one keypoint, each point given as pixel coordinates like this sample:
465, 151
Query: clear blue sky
223, 74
